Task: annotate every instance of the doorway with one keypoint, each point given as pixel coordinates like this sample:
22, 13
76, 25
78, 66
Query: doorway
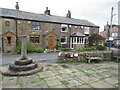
51, 42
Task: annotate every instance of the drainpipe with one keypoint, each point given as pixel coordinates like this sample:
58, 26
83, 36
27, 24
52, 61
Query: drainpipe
69, 34
16, 32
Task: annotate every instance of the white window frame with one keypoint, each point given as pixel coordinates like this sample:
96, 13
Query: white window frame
64, 25
88, 30
114, 34
65, 40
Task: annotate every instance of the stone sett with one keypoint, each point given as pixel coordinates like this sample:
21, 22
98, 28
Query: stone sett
112, 81
64, 71
26, 79
72, 83
101, 84
46, 74
10, 84
53, 82
89, 79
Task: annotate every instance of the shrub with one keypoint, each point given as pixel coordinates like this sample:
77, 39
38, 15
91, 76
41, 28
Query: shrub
89, 48
30, 47
65, 49
101, 47
38, 50
18, 48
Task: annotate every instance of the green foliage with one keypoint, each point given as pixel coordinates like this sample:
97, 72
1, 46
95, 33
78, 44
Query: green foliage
47, 47
65, 49
30, 47
18, 48
38, 50
59, 45
89, 48
101, 47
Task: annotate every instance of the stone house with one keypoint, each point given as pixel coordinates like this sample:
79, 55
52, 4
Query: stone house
43, 30
113, 35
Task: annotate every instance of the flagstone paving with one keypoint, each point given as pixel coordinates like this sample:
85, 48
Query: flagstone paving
80, 75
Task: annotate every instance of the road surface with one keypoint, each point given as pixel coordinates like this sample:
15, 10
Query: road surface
8, 59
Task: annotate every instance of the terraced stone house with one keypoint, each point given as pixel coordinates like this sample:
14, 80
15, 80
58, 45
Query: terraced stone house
43, 30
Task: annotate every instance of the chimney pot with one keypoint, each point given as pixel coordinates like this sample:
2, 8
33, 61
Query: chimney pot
17, 6
68, 14
47, 12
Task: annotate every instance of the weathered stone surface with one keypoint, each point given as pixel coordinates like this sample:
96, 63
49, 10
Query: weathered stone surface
112, 81
83, 86
23, 73
46, 74
64, 71
18, 68
59, 86
26, 79
23, 62
89, 79
10, 84
53, 82
51, 78
72, 83
101, 84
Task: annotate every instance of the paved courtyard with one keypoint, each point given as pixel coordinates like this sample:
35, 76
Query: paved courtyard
77, 75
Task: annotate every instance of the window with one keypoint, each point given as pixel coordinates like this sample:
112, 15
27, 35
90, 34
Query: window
86, 30
7, 23
9, 40
64, 28
114, 34
35, 39
63, 39
35, 26
77, 40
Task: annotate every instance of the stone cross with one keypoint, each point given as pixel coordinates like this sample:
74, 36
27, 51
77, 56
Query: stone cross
23, 50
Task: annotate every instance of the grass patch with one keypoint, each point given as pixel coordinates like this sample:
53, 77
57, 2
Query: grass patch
34, 82
49, 87
69, 62
40, 79
88, 74
20, 84
63, 81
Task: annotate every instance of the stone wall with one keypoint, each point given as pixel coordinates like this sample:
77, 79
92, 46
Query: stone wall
65, 56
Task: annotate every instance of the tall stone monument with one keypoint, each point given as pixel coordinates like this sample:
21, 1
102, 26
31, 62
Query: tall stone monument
23, 66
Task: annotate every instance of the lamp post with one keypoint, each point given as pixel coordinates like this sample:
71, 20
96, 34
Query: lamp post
112, 9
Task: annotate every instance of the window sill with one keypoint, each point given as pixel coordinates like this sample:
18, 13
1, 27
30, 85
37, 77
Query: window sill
64, 43
64, 31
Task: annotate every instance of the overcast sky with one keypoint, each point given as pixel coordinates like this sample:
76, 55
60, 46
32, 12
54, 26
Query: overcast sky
95, 11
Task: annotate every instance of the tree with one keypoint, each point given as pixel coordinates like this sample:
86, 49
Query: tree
95, 39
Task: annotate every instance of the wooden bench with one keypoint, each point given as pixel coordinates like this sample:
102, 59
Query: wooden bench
94, 56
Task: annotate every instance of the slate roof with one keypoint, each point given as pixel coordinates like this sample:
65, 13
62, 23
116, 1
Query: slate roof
12, 13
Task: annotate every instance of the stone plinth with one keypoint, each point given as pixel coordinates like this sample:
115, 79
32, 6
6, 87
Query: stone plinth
23, 66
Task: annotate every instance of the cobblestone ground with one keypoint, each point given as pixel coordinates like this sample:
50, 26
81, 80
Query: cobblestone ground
78, 75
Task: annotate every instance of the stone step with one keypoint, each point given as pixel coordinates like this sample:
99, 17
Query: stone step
22, 73
23, 62
18, 68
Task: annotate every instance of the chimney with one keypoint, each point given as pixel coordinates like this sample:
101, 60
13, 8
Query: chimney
17, 6
68, 14
47, 12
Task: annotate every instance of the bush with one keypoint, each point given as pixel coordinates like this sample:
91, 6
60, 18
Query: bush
38, 50
65, 49
18, 48
101, 47
30, 47
89, 48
